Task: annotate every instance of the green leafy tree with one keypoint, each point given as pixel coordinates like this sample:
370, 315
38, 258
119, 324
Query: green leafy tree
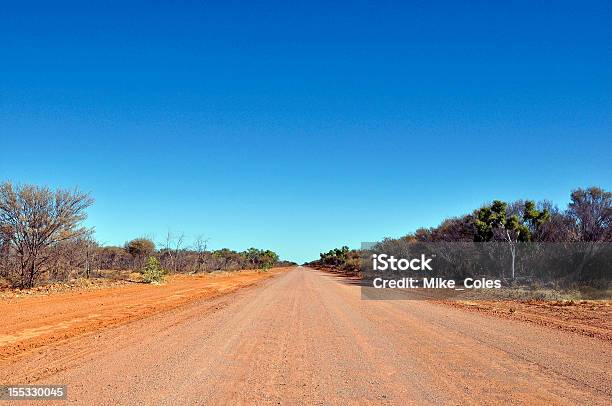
534, 218
268, 259
336, 256
343, 259
493, 223
252, 256
257, 258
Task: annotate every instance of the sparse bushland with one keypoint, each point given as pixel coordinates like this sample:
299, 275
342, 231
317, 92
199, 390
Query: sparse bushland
580, 237
43, 240
342, 259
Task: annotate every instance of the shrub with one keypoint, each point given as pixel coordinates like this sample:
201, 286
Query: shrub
140, 247
153, 272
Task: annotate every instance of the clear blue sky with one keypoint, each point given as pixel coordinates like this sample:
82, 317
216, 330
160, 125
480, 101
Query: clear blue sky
303, 127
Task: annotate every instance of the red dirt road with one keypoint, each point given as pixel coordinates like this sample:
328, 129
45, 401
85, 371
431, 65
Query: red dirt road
306, 337
31, 321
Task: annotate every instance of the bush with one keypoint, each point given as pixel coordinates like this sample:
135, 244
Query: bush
153, 272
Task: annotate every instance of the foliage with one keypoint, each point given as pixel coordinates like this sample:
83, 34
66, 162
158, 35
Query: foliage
263, 259
494, 223
343, 258
518, 232
34, 220
42, 238
140, 247
228, 258
591, 211
152, 271
336, 256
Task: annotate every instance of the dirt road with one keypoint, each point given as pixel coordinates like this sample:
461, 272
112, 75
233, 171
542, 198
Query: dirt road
29, 321
306, 337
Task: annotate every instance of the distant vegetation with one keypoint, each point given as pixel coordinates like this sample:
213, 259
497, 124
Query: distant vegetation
342, 259
586, 220
42, 239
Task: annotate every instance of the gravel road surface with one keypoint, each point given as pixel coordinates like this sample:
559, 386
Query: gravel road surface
306, 337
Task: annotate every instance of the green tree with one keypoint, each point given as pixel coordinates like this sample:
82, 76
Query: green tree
534, 218
152, 271
268, 259
336, 256
493, 223
257, 258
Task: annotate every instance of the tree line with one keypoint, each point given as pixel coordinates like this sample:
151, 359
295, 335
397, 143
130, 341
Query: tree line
42, 238
530, 239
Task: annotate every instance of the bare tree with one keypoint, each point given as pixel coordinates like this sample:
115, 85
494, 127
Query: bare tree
200, 246
177, 250
591, 209
591, 212
39, 219
90, 247
166, 253
5, 248
171, 251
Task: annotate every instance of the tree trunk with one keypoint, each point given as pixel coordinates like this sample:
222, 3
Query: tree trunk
32, 273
